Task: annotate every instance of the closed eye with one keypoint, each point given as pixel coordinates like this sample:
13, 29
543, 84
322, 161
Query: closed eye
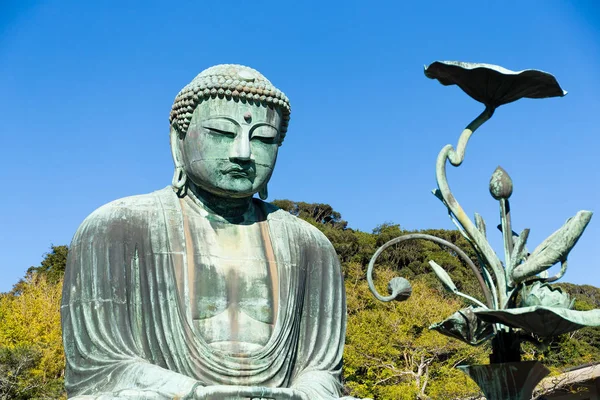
266, 140
264, 133
218, 131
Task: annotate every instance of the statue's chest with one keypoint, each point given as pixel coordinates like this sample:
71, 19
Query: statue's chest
241, 283
231, 284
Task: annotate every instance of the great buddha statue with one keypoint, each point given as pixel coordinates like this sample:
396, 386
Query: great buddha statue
200, 290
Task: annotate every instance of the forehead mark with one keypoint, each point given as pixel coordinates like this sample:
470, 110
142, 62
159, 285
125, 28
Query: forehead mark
248, 116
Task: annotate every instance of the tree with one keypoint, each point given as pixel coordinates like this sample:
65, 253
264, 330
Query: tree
52, 267
390, 352
317, 212
16, 377
32, 360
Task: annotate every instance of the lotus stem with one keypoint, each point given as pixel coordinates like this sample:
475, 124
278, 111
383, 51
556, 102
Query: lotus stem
506, 232
489, 281
471, 299
456, 158
461, 254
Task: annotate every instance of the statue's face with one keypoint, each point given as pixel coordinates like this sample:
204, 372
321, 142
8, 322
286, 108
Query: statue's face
231, 147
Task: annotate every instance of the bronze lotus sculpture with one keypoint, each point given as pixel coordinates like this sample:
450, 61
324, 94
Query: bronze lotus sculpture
520, 304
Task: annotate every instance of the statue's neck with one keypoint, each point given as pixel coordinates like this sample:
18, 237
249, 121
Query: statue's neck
226, 207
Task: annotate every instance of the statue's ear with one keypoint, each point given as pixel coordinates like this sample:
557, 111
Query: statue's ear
179, 177
176, 146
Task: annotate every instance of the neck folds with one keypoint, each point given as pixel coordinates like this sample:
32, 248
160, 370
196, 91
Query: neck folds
229, 208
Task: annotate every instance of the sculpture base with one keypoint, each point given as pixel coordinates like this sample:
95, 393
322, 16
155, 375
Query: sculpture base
507, 381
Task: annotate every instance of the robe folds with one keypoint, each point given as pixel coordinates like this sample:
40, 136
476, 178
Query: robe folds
126, 311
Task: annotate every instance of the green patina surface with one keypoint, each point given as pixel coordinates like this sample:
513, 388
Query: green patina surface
200, 290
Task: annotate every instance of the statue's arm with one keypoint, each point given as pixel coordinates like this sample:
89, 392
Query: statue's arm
319, 366
105, 348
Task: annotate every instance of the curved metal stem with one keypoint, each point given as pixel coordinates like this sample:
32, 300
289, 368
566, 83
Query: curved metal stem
489, 281
413, 236
456, 158
506, 234
471, 299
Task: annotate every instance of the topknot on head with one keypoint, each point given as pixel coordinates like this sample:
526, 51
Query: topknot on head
233, 82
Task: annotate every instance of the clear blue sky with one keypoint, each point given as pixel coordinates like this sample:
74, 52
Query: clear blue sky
86, 88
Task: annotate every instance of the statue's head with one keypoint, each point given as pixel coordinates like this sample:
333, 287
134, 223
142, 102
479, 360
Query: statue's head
226, 128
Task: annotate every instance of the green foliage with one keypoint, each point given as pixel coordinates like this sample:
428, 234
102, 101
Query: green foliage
52, 268
318, 212
31, 354
587, 297
16, 376
53, 265
390, 352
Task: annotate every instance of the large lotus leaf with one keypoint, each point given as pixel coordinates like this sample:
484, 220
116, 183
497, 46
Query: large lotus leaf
493, 85
540, 320
464, 325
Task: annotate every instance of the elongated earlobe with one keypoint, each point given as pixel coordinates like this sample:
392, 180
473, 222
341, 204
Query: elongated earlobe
179, 181
263, 193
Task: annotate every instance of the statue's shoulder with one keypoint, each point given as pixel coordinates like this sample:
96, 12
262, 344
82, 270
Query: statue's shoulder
135, 210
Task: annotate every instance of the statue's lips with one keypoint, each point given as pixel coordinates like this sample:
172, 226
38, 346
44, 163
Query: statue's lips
238, 172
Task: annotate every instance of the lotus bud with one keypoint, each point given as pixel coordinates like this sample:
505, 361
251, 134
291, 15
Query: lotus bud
501, 185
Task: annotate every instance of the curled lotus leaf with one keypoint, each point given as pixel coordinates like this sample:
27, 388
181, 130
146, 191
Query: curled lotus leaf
493, 85
465, 326
538, 294
541, 321
400, 288
554, 249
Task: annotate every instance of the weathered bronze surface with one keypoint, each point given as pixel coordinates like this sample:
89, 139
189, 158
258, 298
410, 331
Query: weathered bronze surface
507, 381
199, 290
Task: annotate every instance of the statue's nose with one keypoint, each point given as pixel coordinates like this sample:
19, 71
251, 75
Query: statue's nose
240, 149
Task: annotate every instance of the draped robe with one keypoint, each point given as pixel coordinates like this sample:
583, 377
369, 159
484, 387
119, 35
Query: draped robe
126, 310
